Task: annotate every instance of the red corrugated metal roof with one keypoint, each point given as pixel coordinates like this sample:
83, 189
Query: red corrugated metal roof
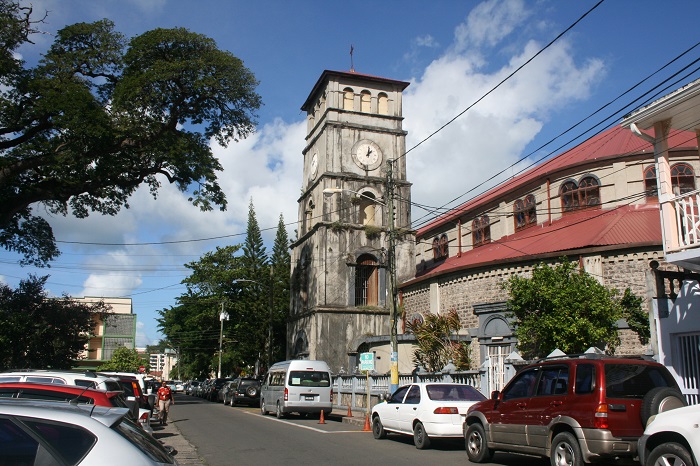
628, 226
615, 142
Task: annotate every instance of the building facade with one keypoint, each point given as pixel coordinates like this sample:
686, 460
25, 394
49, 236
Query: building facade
117, 329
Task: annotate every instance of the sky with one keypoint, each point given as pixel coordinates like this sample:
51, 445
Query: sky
483, 104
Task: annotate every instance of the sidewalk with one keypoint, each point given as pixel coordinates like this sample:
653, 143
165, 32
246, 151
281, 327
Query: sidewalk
170, 436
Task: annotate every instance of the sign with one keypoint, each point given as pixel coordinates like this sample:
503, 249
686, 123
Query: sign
366, 361
142, 369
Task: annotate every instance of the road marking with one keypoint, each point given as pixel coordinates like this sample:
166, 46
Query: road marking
271, 418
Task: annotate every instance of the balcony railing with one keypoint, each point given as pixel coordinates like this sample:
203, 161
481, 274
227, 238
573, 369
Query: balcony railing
687, 218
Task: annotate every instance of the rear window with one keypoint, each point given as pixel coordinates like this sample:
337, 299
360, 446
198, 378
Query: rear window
71, 442
16, 446
453, 393
111, 386
635, 380
309, 379
248, 383
144, 442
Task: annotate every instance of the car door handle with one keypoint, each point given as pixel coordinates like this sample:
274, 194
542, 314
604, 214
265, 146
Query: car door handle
397, 408
521, 405
556, 403
414, 408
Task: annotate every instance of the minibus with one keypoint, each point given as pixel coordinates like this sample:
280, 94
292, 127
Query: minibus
297, 386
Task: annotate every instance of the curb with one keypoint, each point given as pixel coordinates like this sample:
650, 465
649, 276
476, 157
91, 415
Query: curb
170, 436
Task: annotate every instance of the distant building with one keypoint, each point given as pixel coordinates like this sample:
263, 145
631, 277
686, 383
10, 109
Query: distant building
116, 330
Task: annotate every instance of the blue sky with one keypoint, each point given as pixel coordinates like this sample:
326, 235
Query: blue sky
452, 53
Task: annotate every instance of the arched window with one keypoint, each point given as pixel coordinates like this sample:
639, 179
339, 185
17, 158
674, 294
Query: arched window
368, 206
650, 185
682, 178
383, 104
366, 281
308, 216
589, 192
436, 248
525, 212
444, 246
481, 231
569, 197
348, 99
365, 102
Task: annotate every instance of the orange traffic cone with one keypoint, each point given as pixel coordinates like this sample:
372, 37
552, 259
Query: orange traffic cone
322, 420
367, 427
349, 411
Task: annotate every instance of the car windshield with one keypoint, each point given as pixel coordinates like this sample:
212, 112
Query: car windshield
635, 380
143, 441
441, 392
309, 378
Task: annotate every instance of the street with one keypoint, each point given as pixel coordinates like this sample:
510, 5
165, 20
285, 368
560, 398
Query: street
225, 435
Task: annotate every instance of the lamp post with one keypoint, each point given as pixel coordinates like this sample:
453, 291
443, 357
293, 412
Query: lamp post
393, 310
223, 315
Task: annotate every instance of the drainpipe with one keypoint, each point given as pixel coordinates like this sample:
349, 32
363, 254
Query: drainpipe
459, 238
549, 204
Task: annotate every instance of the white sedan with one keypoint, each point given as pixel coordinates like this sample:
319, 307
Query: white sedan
671, 438
425, 410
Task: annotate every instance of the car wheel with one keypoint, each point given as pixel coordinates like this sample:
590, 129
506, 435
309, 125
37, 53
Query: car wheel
420, 436
278, 411
660, 399
378, 429
565, 451
476, 444
262, 407
670, 453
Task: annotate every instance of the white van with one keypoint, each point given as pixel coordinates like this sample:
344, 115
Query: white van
298, 386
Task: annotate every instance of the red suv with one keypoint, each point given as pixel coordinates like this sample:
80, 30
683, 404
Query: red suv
572, 410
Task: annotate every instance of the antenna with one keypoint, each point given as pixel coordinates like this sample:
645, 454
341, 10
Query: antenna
352, 65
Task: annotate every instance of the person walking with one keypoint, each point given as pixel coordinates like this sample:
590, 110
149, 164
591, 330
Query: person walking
165, 399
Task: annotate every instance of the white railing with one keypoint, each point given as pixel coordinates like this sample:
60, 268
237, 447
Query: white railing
687, 218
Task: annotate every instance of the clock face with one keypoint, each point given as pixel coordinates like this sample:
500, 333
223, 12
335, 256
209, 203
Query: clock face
367, 155
314, 165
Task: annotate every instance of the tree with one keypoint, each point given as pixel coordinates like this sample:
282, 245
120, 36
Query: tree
39, 332
98, 117
281, 264
564, 308
124, 360
436, 342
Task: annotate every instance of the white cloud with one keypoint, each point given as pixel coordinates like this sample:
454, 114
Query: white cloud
489, 22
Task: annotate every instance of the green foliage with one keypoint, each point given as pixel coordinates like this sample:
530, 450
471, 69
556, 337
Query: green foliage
124, 360
565, 308
40, 332
436, 342
100, 116
281, 263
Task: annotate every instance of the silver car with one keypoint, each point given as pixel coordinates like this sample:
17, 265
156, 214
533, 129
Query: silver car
37, 432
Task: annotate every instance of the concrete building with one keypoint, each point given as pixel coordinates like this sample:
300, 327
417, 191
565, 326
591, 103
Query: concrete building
116, 330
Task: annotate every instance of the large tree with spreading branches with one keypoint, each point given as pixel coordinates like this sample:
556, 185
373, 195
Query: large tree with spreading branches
100, 116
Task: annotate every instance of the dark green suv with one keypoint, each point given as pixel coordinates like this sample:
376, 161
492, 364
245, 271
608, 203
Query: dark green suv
572, 410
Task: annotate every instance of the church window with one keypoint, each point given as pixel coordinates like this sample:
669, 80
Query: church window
383, 104
368, 212
525, 212
348, 99
440, 247
584, 195
682, 180
481, 231
366, 281
365, 102
308, 216
569, 199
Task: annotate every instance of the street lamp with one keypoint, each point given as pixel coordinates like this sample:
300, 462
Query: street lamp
223, 315
393, 308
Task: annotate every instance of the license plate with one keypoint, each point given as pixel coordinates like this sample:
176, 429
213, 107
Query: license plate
309, 398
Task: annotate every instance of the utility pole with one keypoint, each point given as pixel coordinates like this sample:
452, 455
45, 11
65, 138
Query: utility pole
394, 383
222, 316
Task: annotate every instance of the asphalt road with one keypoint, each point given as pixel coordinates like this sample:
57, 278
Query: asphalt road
226, 436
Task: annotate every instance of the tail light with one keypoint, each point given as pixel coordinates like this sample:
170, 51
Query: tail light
286, 394
601, 417
446, 410
143, 420
331, 396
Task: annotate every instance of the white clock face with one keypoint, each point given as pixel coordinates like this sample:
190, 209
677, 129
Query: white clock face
368, 155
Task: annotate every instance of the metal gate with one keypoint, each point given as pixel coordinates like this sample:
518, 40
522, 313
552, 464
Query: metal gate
687, 365
497, 361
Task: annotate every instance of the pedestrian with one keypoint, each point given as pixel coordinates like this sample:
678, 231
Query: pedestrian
165, 399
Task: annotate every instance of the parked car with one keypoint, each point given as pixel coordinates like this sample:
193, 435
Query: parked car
671, 438
134, 388
572, 410
243, 390
191, 388
214, 387
425, 411
82, 379
76, 395
36, 432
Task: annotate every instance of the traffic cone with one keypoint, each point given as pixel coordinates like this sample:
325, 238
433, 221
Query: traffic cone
367, 427
322, 420
349, 411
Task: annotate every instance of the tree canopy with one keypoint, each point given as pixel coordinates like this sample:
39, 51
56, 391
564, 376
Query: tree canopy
124, 360
437, 343
562, 307
39, 332
99, 116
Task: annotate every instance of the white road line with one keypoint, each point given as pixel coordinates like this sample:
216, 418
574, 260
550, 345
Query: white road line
271, 418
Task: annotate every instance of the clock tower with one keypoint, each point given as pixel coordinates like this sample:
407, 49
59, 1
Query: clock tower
354, 171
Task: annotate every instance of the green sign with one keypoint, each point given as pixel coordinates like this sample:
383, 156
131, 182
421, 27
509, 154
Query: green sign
366, 361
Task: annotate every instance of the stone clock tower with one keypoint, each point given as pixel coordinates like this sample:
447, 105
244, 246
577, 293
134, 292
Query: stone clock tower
354, 170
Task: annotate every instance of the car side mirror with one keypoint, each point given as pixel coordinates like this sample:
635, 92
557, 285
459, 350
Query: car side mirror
495, 394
